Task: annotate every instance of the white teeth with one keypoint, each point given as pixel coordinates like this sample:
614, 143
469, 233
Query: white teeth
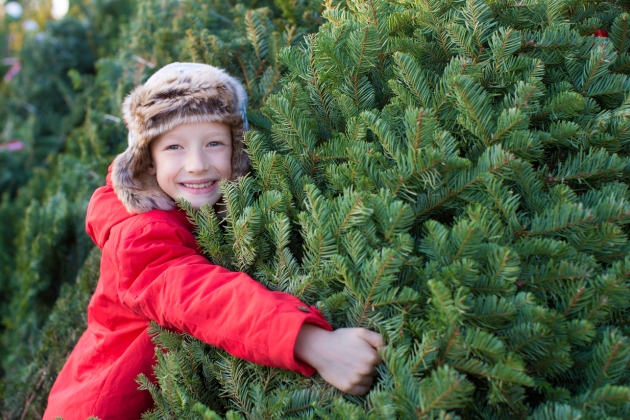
204, 185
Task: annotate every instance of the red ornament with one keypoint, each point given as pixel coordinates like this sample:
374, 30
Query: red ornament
600, 33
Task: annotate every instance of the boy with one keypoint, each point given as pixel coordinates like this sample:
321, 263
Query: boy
186, 127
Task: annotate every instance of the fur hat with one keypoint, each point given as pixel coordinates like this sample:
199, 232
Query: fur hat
179, 93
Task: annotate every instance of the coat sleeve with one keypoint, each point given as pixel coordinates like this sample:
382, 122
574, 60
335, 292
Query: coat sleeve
163, 278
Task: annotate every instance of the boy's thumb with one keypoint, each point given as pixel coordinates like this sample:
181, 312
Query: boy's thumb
374, 339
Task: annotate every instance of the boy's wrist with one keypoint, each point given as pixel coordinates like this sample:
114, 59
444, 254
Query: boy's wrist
305, 345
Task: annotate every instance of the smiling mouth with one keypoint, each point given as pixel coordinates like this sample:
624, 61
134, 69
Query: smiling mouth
199, 186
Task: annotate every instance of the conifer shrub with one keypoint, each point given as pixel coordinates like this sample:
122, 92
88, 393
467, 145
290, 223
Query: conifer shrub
51, 247
44, 246
40, 106
26, 390
454, 175
45, 188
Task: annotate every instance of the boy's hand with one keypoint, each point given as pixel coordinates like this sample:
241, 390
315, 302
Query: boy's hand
345, 358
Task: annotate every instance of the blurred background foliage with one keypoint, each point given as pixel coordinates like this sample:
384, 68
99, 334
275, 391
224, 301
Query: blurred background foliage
63, 106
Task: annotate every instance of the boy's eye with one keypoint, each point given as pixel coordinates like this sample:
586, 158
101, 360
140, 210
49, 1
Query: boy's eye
213, 143
172, 147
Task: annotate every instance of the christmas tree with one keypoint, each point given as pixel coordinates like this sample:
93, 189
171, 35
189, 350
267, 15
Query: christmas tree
454, 175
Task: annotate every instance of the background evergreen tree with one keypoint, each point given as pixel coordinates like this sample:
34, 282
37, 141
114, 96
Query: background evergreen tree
44, 246
42, 238
454, 175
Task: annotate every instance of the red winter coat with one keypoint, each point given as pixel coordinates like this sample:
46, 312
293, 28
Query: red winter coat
151, 269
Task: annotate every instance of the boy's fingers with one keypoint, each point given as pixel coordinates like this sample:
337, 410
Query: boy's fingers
373, 338
359, 390
365, 381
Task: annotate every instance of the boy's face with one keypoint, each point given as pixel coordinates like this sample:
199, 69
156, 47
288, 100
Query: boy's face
191, 159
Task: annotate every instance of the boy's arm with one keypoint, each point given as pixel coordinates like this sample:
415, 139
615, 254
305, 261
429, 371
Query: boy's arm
162, 277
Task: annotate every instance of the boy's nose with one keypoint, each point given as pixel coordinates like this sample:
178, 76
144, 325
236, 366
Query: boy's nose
196, 163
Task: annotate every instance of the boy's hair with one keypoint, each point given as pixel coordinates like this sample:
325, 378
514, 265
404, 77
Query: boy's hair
179, 93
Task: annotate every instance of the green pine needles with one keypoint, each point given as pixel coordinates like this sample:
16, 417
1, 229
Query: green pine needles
454, 175
42, 234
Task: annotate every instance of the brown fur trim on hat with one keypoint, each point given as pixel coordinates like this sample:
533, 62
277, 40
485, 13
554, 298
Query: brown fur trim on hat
139, 192
179, 93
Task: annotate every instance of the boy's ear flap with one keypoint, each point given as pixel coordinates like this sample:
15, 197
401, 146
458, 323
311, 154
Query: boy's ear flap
151, 168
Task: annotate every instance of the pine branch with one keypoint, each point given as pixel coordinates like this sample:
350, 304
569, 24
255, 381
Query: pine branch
357, 203
573, 301
441, 390
607, 363
561, 219
595, 163
475, 105
619, 32
494, 161
503, 44
318, 87
256, 34
389, 262
609, 395
412, 76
